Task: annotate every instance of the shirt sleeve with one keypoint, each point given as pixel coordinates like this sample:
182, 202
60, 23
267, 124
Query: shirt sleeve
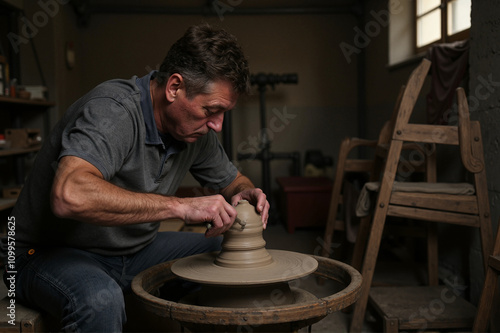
212, 168
103, 135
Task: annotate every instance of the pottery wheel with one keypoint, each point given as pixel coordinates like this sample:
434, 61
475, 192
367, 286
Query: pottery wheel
244, 260
244, 286
286, 266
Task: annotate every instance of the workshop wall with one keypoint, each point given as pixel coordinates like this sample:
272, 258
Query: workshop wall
314, 114
484, 103
317, 113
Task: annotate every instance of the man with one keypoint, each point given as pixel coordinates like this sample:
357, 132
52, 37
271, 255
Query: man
87, 218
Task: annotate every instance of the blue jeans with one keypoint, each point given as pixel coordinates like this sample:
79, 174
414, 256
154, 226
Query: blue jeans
85, 291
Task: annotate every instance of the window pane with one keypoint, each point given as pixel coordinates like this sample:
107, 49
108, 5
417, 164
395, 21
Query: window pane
458, 16
429, 28
423, 6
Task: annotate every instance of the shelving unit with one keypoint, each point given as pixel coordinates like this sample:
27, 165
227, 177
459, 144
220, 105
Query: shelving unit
15, 112
16, 107
18, 151
25, 102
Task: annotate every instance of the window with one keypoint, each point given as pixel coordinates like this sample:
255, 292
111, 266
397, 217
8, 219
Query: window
441, 21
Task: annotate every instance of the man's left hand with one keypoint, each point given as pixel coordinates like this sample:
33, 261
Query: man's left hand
258, 199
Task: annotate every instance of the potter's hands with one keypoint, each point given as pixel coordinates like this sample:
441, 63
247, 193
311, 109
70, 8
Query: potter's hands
257, 198
212, 209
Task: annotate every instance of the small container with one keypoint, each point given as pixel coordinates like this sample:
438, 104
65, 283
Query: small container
23, 94
37, 92
4, 144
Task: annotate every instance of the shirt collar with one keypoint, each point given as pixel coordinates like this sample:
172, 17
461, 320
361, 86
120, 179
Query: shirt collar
153, 137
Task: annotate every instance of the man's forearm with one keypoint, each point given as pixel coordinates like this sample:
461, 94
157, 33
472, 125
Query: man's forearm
94, 200
79, 192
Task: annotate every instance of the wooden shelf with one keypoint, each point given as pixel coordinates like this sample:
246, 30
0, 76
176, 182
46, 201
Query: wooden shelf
28, 102
18, 151
17, 113
7, 203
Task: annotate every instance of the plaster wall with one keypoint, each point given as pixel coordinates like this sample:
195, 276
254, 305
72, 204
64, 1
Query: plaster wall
484, 101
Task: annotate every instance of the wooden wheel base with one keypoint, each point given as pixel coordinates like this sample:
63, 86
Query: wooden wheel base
284, 318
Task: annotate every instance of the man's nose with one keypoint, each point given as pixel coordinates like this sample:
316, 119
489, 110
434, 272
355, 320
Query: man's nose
215, 122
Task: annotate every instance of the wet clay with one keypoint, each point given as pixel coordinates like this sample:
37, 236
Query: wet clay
243, 245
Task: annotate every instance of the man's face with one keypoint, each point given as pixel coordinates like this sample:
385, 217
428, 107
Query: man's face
188, 119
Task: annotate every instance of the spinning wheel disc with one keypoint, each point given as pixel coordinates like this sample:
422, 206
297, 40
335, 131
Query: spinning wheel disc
285, 266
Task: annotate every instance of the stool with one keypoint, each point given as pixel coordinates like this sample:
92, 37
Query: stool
28, 320
21, 319
430, 206
421, 308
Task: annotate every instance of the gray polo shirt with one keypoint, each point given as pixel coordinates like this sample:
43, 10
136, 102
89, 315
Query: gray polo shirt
113, 128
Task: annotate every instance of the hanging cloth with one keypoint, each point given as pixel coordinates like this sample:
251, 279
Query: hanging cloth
449, 68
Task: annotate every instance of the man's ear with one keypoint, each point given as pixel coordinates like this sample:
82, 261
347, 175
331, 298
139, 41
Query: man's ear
174, 83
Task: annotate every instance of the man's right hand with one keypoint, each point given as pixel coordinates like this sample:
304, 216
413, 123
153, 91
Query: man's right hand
213, 209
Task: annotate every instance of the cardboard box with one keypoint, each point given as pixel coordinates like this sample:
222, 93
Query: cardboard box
23, 137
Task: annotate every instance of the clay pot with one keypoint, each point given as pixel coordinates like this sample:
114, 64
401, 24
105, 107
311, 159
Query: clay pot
243, 245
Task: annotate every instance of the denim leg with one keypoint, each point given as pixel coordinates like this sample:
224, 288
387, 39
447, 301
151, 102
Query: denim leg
74, 287
84, 290
169, 246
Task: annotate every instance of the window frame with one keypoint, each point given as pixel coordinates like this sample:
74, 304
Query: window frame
443, 7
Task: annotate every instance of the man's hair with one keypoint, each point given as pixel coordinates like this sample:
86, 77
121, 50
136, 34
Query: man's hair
204, 55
